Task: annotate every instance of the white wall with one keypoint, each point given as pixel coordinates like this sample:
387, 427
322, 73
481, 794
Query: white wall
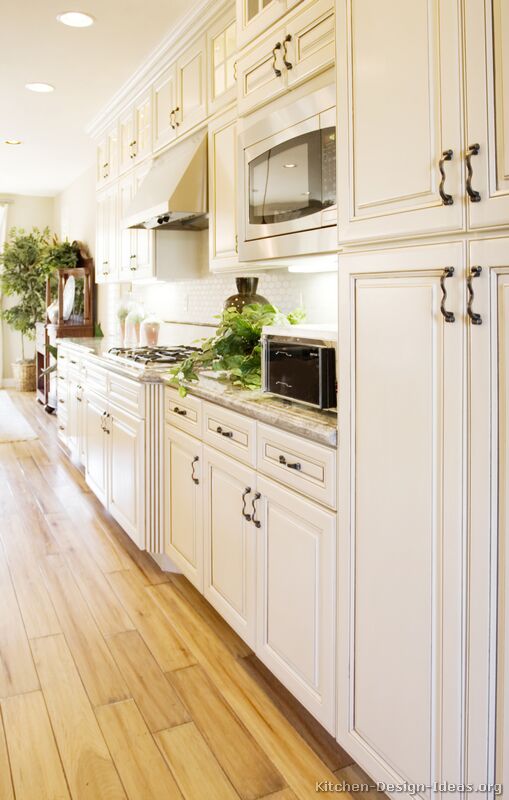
22, 212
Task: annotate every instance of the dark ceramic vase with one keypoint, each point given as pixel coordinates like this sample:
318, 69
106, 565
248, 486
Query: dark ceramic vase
246, 294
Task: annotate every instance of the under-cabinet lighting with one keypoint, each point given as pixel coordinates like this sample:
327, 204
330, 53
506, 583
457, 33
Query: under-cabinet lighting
325, 263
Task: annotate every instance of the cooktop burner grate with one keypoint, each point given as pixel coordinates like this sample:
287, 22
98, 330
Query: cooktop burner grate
153, 355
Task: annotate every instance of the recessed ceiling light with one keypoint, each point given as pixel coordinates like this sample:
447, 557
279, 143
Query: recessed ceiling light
40, 87
13, 141
289, 166
75, 19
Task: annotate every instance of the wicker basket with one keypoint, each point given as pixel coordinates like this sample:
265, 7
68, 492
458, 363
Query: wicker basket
24, 375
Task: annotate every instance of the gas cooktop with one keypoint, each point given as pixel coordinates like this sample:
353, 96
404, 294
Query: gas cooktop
152, 356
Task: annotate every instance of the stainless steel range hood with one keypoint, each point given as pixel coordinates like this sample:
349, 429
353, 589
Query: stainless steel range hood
174, 193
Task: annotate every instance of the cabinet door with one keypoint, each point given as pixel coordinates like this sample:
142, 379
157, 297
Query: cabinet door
309, 41
73, 416
165, 102
230, 541
126, 138
255, 16
487, 106
95, 445
143, 265
223, 191
261, 73
296, 569
126, 485
111, 233
192, 87
184, 504
222, 50
401, 537
126, 237
106, 235
102, 162
398, 112
142, 140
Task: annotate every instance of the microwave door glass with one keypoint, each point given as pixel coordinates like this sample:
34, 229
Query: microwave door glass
293, 179
294, 371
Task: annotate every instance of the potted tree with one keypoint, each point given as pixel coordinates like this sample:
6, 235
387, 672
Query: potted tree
23, 276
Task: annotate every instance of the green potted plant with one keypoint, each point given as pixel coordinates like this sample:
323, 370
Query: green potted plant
23, 277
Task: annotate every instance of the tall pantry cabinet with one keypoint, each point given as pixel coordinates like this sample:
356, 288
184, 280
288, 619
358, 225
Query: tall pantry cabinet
423, 402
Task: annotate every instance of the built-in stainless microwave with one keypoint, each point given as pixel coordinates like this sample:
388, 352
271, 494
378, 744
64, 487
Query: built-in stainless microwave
288, 181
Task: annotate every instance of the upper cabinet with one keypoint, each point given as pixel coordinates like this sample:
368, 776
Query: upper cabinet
135, 133
222, 53
223, 242
255, 16
106, 236
400, 163
107, 157
287, 56
165, 103
487, 112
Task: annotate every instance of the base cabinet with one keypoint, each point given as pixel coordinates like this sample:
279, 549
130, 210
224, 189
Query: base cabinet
96, 472
126, 486
296, 596
230, 541
184, 504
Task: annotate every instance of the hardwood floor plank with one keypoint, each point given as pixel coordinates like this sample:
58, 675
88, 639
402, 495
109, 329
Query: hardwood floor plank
353, 774
6, 789
87, 763
140, 764
35, 763
196, 771
314, 734
155, 697
17, 671
284, 794
46, 498
167, 648
246, 765
97, 668
73, 534
33, 599
296, 761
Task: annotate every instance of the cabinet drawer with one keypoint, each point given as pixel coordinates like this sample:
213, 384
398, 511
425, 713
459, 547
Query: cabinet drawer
305, 466
96, 379
183, 412
127, 394
230, 432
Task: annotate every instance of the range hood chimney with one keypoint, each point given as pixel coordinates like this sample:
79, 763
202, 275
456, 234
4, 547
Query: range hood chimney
174, 193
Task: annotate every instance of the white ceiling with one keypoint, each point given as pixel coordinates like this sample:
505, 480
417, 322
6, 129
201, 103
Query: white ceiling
87, 66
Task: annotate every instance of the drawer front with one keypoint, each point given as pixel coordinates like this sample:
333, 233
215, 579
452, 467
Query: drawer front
127, 394
230, 432
302, 465
96, 379
184, 413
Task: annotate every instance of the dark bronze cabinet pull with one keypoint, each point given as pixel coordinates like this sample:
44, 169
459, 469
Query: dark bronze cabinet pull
447, 315
245, 493
288, 64
193, 476
277, 72
475, 318
228, 434
180, 411
447, 199
256, 522
296, 465
106, 429
172, 118
473, 150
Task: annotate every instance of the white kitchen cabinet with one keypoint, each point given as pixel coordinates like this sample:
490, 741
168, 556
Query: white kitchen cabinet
255, 16
261, 73
191, 87
135, 133
106, 235
165, 103
223, 243
96, 447
399, 115
402, 540
75, 416
230, 541
184, 504
487, 112
107, 157
295, 614
125, 476
144, 251
221, 69
135, 247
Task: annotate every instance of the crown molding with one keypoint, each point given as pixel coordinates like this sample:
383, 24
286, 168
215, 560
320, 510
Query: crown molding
194, 23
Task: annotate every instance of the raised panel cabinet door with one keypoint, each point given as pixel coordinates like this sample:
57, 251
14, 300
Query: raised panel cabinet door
126, 459
125, 139
296, 568
111, 232
73, 420
143, 265
399, 115
164, 105
142, 140
223, 191
183, 492
309, 44
401, 546
230, 541
126, 237
101, 243
101, 162
192, 86
261, 73
95, 446
487, 112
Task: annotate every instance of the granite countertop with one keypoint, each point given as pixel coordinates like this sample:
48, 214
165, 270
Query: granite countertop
319, 426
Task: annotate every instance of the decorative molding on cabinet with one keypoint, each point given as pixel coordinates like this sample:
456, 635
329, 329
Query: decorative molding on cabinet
154, 468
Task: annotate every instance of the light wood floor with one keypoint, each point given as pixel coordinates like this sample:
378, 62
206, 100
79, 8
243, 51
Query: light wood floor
118, 680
